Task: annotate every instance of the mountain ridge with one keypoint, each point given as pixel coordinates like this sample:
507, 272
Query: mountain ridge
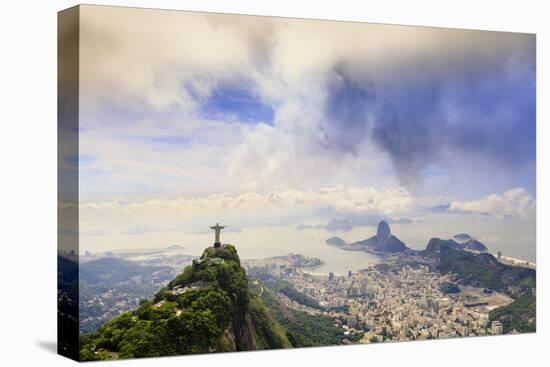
115, 269
383, 242
479, 270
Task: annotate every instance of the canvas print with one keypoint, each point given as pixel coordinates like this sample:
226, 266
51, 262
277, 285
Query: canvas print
234, 183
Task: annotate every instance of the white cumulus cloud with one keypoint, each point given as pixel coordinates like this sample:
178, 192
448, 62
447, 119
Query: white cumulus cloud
516, 203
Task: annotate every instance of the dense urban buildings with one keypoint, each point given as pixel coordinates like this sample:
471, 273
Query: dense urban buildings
397, 304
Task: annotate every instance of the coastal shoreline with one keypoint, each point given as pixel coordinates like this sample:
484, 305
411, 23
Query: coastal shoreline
508, 260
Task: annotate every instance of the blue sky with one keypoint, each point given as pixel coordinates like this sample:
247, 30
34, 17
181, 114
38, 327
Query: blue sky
264, 114
236, 102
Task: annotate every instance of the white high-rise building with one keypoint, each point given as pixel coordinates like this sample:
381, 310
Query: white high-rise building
496, 328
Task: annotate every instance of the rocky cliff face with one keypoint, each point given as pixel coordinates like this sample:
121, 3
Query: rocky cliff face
207, 308
383, 231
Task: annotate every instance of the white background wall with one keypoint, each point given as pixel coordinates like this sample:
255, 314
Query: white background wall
28, 181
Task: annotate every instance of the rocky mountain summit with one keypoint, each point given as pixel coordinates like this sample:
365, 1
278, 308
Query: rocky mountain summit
383, 242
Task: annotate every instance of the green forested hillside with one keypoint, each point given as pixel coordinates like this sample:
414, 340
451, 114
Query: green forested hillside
302, 329
480, 270
67, 307
207, 308
519, 315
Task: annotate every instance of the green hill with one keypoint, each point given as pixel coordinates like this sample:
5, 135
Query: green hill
302, 328
519, 315
67, 307
480, 270
207, 308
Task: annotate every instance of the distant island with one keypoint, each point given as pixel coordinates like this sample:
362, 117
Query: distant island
467, 242
336, 241
175, 247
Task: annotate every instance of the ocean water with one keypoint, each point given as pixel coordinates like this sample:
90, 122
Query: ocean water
259, 242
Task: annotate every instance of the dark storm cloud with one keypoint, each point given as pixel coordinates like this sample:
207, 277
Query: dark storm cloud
348, 107
484, 115
488, 115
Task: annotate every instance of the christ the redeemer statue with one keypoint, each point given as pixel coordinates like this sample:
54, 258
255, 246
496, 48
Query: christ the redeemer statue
217, 228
